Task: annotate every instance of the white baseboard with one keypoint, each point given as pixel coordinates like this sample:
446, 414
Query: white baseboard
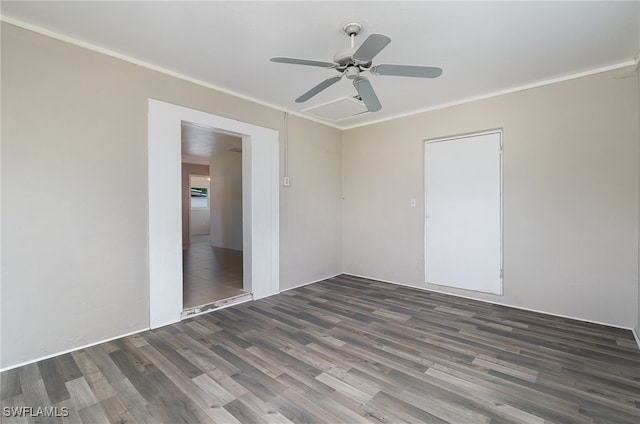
635, 335
53, 355
311, 282
499, 303
42, 358
633, 330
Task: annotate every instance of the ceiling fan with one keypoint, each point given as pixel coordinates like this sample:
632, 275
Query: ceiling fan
353, 61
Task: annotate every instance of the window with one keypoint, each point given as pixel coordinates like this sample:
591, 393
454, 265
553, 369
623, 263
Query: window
199, 192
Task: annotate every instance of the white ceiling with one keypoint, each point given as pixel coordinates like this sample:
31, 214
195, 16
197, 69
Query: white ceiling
484, 48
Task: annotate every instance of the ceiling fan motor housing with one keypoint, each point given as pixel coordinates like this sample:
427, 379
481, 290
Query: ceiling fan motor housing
344, 59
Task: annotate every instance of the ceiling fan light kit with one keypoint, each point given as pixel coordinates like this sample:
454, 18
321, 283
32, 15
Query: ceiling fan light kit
352, 61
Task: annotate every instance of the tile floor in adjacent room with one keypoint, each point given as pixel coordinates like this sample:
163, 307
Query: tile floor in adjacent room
210, 274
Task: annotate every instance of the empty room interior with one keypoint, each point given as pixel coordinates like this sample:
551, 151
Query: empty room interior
320, 212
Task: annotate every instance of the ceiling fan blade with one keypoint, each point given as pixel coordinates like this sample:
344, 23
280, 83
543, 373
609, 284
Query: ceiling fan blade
371, 47
407, 71
318, 88
302, 62
366, 93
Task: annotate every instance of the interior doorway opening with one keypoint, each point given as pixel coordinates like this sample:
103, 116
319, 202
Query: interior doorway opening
212, 256
260, 206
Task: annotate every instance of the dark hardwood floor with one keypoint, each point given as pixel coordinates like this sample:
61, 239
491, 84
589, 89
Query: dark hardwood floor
346, 350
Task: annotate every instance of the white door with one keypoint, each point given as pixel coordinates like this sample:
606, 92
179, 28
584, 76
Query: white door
463, 212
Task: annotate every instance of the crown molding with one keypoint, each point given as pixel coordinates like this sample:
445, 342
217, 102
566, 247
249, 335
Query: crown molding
633, 62
147, 65
503, 92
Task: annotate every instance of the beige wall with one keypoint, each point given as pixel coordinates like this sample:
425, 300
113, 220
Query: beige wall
226, 200
304, 217
75, 267
189, 169
570, 196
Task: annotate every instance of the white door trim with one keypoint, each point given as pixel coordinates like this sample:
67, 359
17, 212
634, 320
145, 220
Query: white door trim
260, 197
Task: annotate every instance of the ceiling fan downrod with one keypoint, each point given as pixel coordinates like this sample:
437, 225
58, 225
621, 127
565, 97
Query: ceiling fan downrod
352, 29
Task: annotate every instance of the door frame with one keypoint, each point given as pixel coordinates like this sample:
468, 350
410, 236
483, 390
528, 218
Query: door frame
260, 211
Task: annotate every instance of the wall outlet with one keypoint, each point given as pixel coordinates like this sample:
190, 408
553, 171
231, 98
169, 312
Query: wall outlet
285, 181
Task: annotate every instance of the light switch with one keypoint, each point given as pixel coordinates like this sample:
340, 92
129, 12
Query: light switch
412, 203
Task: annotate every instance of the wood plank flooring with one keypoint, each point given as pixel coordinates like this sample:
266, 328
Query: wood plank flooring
345, 350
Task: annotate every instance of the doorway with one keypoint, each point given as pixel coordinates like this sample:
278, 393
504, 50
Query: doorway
260, 212
212, 257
